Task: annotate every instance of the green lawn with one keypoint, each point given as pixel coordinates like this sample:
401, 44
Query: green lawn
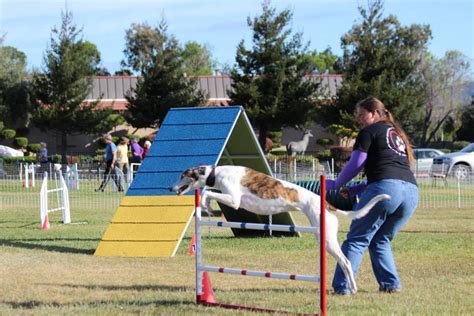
55, 272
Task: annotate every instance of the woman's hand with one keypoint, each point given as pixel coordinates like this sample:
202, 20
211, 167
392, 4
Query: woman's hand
345, 193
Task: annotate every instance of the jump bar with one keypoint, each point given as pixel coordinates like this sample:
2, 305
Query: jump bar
274, 275
281, 228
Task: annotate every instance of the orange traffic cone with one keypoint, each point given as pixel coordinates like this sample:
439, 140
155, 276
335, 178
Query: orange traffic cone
207, 295
192, 246
45, 224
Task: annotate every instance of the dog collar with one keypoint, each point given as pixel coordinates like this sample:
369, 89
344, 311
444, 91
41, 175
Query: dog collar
211, 180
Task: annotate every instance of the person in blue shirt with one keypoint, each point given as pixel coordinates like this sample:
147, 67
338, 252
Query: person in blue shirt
110, 157
383, 151
43, 154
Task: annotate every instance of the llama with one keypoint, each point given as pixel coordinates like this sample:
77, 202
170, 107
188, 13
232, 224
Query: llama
300, 146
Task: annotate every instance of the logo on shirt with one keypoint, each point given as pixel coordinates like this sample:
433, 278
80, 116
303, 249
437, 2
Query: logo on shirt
395, 142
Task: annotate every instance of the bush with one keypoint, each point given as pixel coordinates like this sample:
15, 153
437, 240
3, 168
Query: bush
7, 133
324, 155
458, 145
21, 142
276, 138
341, 155
34, 148
129, 136
325, 142
28, 159
56, 158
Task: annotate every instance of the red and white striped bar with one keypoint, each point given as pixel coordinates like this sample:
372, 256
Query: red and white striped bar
281, 228
263, 274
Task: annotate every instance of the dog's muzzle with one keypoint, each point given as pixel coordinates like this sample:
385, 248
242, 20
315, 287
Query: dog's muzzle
179, 189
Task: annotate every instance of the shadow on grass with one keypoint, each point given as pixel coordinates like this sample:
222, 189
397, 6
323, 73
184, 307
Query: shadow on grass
149, 287
94, 304
16, 224
34, 244
136, 287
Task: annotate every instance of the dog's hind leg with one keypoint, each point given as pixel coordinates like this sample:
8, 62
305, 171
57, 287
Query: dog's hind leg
333, 248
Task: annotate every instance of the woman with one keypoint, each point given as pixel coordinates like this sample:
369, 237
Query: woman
383, 150
122, 155
137, 151
146, 148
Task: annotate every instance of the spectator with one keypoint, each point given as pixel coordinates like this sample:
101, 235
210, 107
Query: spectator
110, 157
137, 151
122, 155
43, 154
146, 148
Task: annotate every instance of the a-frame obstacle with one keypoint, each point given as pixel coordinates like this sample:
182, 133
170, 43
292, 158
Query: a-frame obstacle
150, 220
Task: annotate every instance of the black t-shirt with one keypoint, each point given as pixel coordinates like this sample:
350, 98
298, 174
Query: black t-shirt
386, 153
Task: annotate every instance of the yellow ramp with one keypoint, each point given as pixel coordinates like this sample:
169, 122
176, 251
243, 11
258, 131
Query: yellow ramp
147, 226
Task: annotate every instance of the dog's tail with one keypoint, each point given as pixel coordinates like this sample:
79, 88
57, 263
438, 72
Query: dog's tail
364, 210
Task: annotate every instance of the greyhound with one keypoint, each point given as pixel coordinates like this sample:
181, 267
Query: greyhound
242, 187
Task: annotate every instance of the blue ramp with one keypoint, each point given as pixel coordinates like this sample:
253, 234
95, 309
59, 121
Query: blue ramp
187, 137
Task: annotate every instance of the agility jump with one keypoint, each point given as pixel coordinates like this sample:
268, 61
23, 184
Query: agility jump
62, 196
203, 295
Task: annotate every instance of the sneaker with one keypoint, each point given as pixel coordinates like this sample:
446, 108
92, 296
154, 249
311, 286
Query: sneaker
98, 190
390, 290
342, 292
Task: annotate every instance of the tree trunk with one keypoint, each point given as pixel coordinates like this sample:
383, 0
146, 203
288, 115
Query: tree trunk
262, 135
64, 150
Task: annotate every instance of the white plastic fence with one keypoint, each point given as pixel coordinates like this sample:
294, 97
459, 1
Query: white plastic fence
62, 196
435, 193
27, 175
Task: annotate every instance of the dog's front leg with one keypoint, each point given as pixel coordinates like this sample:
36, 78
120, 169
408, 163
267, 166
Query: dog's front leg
226, 199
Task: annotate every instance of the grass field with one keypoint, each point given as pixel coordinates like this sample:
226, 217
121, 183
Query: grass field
55, 272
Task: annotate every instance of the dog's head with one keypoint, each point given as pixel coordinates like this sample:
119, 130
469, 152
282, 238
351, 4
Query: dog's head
191, 178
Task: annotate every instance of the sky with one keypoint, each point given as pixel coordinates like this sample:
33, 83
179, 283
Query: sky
222, 24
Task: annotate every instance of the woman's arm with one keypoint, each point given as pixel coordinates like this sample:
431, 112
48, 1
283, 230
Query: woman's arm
352, 168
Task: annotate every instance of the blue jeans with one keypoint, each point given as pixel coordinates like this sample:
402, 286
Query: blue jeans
376, 230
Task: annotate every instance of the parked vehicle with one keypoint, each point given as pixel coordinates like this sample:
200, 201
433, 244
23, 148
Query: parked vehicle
424, 159
459, 164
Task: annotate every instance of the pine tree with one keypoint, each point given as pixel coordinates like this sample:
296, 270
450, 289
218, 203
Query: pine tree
63, 85
380, 59
268, 80
163, 83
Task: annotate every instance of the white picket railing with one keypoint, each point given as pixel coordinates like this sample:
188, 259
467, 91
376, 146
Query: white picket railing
434, 192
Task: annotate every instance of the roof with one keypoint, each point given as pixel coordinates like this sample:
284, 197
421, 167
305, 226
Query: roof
113, 89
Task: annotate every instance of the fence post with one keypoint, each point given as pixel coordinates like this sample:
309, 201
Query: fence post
65, 200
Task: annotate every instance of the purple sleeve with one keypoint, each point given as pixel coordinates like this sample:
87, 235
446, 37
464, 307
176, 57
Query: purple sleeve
352, 168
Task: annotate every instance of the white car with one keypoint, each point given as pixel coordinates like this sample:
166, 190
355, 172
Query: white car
424, 159
459, 164
6, 151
